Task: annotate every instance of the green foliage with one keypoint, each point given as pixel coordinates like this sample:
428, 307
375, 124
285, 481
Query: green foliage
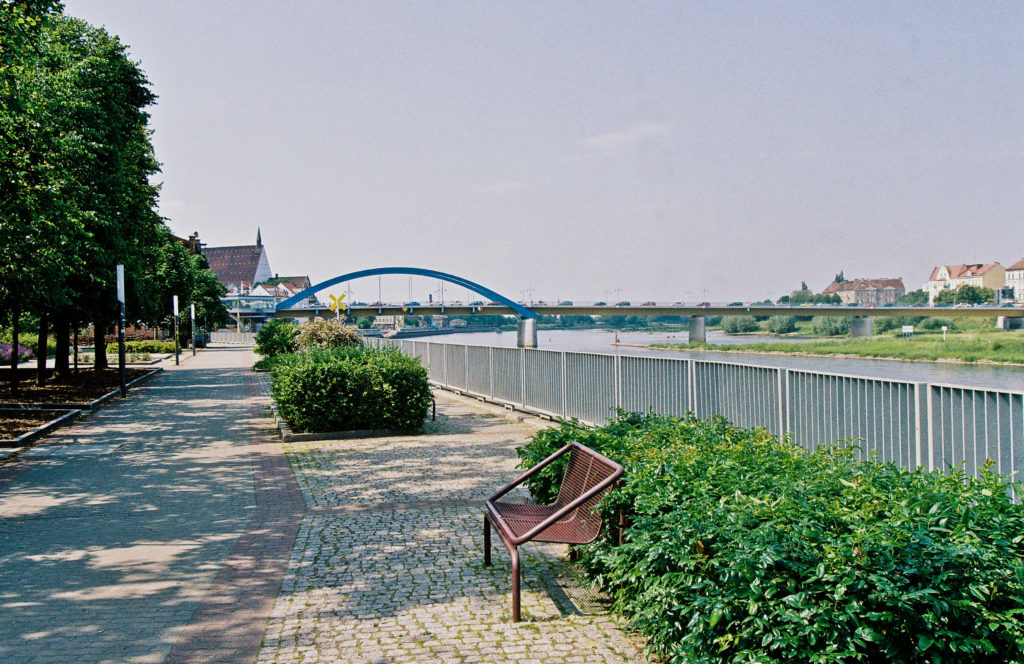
327, 333
913, 297
966, 295
739, 324
351, 388
364, 322
782, 324
831, 326
149, 346
276, 338
745, 548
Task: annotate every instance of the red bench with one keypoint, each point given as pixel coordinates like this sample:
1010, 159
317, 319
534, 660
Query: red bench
571, 519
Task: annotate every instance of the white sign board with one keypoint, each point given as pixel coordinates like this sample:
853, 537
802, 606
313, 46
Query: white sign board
120, 284
908, 329
175, 302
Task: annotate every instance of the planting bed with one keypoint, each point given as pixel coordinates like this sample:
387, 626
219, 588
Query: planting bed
81, 388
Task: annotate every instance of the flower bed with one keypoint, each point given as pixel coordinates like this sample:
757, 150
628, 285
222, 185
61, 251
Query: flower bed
743, 547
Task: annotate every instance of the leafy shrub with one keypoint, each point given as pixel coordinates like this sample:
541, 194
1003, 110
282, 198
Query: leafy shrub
782, 324
745, 548
739, 324
276, 338
831, 326
331, 333
935, 323
148, 346
351, 388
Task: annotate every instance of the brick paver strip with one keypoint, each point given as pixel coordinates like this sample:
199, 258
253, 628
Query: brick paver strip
229, 623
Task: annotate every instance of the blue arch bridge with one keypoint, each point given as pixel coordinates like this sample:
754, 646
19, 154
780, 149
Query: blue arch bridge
860, 324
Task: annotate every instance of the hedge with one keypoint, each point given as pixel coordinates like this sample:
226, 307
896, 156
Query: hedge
746, 548
351, 388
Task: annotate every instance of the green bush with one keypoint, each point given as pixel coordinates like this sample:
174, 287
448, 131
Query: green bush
782, 324
148, 346
331, 333
276, 338
351, 388
745, 548
831, 326
739, 324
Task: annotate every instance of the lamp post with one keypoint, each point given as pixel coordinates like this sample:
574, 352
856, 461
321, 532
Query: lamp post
120, 334
174, 301
192, 308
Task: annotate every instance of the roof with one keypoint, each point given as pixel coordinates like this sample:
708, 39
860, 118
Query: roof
1019, 265
234, 265
963, 270
863, 284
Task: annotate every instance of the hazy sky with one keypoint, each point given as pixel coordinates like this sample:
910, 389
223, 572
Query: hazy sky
670, 150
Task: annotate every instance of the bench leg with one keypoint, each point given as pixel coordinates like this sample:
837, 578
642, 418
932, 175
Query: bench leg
487, 541
515, 584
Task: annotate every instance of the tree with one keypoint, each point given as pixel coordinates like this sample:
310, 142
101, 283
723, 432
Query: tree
966, 295
840, 278
913, 297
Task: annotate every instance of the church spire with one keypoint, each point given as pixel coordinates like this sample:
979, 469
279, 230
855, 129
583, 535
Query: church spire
259, 242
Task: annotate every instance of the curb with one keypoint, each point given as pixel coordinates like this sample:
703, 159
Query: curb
25, 438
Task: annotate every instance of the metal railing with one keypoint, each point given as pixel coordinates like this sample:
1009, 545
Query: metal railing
910, 424
243, 338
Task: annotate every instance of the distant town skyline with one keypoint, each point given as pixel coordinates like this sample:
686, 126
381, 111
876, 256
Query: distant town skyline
590, 151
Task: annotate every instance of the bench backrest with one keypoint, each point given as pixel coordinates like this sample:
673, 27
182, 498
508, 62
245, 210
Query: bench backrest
585, 470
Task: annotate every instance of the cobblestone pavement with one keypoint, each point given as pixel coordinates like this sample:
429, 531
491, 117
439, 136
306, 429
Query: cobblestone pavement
388, 566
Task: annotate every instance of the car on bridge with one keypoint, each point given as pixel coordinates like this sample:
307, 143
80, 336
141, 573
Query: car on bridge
566, 303
704, 304
600, 304
624, 303
476, 303
735, 304
649, 303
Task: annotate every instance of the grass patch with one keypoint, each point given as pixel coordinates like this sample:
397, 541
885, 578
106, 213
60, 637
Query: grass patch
993, 346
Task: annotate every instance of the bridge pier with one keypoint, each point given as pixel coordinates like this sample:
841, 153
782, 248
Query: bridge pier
526, 333
860, 326
697, 333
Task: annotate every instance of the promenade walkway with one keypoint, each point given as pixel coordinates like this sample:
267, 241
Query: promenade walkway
166, 528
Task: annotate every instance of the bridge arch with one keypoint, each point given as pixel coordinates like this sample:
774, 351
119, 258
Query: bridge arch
520, 310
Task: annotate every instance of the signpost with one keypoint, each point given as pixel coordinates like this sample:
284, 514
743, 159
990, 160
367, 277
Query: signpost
177, 350
192, 308
120, 333
337, 306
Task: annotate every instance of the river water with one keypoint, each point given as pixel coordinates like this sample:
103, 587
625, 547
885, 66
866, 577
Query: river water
602, 341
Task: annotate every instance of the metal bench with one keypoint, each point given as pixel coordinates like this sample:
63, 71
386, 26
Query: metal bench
571, 519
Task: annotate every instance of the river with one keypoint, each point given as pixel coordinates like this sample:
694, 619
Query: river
601, 341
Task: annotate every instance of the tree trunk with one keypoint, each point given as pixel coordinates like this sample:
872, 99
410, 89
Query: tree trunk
15, 338
61, 332
44, 333
100, 345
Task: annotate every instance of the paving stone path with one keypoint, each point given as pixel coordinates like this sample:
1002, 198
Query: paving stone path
174, 527
387, 566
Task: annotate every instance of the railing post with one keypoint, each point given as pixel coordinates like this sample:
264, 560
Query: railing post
920, 433
691, 382
465, 367
490, 372
783, 401
444, 364
930, 425
522, 376
564, 411
618, 382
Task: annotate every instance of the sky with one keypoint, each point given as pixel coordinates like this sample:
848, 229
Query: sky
667, 151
